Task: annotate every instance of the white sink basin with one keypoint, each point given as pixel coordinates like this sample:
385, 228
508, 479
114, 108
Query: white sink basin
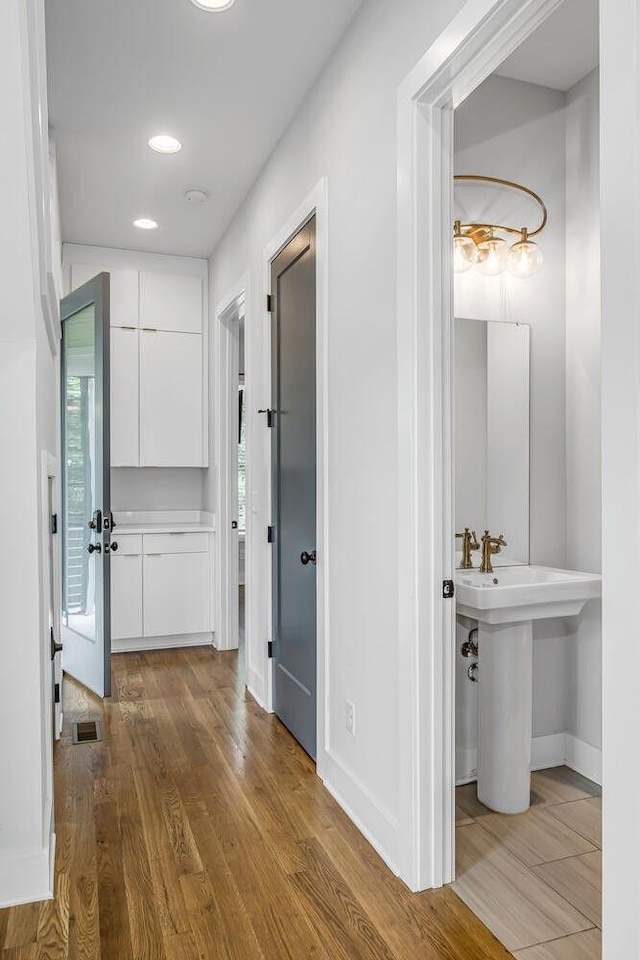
515, 594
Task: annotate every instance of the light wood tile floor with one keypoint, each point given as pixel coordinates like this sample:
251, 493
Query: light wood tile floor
198, 830
535, 879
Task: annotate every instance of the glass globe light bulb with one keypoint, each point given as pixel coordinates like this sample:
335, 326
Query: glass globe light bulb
493, 256
525, 258
465, 251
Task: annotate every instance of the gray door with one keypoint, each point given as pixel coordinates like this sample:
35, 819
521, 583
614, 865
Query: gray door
86, 515
293, 284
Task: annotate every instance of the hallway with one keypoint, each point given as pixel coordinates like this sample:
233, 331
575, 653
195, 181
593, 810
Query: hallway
197, 829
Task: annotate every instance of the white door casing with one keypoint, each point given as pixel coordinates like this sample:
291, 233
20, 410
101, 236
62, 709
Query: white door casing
483, 34
226, 320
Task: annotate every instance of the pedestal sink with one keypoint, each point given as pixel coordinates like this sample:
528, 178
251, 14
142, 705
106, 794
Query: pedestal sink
505, 603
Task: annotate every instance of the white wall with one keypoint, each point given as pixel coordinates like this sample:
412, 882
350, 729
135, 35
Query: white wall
157, 488
583, 400
345, 131
27, 427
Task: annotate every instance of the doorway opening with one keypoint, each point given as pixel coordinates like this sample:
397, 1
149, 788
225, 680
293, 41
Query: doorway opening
474, 46
527, 465
232, 456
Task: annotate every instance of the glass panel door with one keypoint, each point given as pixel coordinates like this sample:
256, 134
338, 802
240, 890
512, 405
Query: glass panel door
85, 483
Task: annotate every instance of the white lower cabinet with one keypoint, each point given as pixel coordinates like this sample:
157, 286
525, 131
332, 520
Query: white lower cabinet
126, 587
160, 587
126, 596
176, 594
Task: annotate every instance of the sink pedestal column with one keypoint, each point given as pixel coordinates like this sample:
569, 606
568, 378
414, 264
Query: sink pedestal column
505, 694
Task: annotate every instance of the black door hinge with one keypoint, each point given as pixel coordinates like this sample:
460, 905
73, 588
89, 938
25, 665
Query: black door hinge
54, 523
270, 649
271, 534
271, 416
56, 693
448, 589
271, 303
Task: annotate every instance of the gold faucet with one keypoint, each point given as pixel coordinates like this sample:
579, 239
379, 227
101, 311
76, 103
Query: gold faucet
469, 543
490, 546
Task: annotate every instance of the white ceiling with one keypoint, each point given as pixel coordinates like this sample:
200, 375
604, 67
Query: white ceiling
226, 84
561, 51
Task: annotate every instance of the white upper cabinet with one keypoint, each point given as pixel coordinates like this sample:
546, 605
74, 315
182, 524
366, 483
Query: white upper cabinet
159, 357
172, 302
172, 400
124, 296
125, 400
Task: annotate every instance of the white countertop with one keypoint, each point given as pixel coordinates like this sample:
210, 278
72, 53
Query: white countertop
163, 521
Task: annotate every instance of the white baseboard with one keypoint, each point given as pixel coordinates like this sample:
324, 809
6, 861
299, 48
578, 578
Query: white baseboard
369, 816
555, 750
162, 643
255, 686
28, 877
549, 751
584, 759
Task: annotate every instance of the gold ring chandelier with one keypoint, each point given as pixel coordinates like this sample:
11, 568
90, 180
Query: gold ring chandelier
477, 243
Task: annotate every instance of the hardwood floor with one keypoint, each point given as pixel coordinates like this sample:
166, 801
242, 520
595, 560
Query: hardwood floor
198, 829
535, 879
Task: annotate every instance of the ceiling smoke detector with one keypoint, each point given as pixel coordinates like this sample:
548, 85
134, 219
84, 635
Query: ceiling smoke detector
195, 196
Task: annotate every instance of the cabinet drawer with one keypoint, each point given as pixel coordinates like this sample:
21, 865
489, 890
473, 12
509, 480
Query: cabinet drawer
176, 543
129, 544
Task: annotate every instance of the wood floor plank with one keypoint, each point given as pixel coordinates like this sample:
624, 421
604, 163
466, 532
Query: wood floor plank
580, 946
53, 922
579, 881
198, 829
515, 904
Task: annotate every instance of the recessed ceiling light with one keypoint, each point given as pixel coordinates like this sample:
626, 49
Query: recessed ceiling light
213, 6
164, 143
143, 223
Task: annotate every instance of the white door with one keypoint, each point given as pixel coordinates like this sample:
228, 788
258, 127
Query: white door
171, 399
86, 516
53, 644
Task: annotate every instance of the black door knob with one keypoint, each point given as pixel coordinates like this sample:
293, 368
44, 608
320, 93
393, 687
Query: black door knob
114, 545
306, 558
94, 548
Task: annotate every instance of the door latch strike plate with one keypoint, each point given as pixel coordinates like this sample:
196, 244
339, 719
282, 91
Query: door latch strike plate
54, 523
448, 589
270, 649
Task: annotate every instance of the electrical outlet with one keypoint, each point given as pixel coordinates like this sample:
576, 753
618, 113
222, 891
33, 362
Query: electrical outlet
351, 718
